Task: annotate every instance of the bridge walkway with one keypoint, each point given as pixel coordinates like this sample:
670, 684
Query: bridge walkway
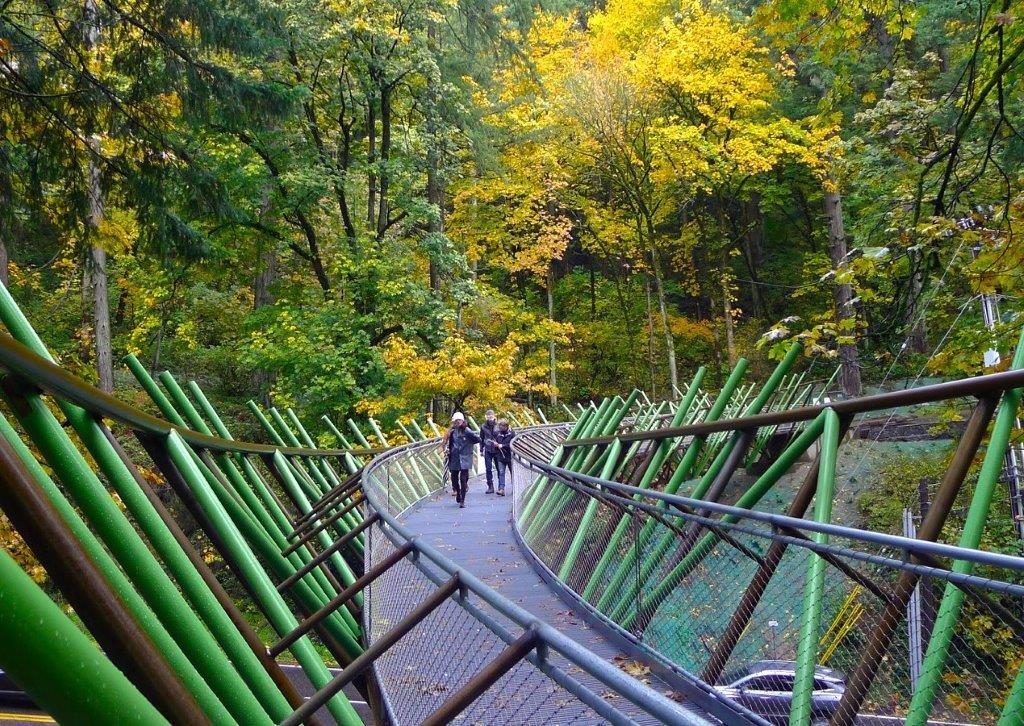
480, 538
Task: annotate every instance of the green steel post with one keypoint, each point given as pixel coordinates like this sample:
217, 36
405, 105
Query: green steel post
56, 664
1013, 710
613, 591
72, 470
270, 503
584, 526
273, 604
814, 590
351, 519
974, 526
150, 387
265, 423
533, 495
359, 434
653, 560
751, 497
543, 418
581, 459
664, 449
350, 462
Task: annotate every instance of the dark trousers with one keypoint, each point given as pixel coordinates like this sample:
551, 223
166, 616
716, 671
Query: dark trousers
492, 460
460, 483
502, 465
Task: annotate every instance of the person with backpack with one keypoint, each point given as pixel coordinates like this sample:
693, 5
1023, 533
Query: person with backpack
458, 445
503, 453
487, 433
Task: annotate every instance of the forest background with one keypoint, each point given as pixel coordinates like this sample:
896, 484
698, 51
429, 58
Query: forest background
372, 207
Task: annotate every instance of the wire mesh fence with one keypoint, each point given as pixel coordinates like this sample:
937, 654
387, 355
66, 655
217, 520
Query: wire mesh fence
462, 639
727, 597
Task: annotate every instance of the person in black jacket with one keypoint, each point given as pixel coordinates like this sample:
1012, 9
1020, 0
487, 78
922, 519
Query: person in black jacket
503, 453
487, 432
458, 443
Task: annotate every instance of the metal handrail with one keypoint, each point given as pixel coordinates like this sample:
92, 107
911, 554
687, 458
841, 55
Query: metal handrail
51, 378
647, 699
979, 386
783, 522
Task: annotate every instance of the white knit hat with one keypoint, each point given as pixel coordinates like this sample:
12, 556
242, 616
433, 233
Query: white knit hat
457, 416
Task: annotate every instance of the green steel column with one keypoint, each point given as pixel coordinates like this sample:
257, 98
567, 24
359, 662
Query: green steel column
359, 434
579, 430
814, 590
562, 495
120, 547
350, 462
652, 561
155, 394
665, 447
56, 664
350, 519
272, 603
751, 497
163, 542
974, 526
584, 527
270, 502
1013, 710
267, 426
613, 591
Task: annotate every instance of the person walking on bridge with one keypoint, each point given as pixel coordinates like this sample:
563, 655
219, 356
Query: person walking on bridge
458, 443
487, 434
503, 453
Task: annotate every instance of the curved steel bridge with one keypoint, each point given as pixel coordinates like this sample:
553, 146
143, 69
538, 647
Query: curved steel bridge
656, 563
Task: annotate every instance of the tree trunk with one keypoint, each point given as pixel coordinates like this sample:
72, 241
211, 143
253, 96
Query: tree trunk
6, 226
371, 161
96, 265
385, 154
849, 372
551, 343
261, 297
753, 251
4, 260
650, 336
917, 335
670, 346
435, 196
726, 285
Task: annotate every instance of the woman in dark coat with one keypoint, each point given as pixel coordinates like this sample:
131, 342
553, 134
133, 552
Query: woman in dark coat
459, 442
503, 453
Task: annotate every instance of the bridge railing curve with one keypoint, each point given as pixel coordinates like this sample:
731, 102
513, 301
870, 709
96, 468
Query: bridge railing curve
528, 670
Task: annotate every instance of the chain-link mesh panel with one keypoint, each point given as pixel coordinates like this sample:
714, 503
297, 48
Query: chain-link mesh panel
451, 645
729, 601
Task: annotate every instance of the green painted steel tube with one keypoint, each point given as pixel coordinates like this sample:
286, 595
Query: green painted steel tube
750, 498
350, 462
814, 590
272, 603
267, 426
270, 540
613, 591
56, 664
136, 604
359, 434
350, 519
560, 495
195, 590
974, 526
251, 474
1013, 709
288, 479
665, 448
150, 387
584, 527
579, 429
652, 561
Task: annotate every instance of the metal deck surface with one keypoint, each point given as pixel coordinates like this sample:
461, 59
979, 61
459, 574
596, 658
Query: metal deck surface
480, 538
